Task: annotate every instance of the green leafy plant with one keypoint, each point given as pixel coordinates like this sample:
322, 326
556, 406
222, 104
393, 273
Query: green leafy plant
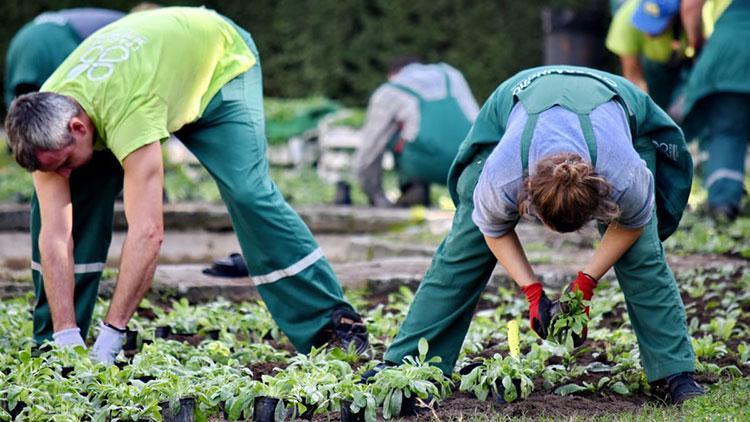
415, 377
571, 321
360, 395
496, 372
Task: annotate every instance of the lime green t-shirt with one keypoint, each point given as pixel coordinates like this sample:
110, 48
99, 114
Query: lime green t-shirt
624, 39
150, 73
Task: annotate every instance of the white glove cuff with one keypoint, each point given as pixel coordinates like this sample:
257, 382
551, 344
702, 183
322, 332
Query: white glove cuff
68, 337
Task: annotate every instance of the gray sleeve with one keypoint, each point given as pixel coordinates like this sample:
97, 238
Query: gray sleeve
495, 212
379, 127
637, 201
462, 93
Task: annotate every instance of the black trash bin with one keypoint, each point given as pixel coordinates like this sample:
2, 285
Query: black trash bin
576, 36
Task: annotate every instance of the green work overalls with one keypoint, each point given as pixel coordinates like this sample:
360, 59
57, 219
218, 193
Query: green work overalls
442, 128
445, 301
293, 277
717, 104
34, 53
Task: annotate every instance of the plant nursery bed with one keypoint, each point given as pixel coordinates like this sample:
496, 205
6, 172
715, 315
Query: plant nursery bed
248, 358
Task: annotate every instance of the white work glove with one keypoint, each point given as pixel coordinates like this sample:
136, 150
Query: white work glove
68, 337
108, 344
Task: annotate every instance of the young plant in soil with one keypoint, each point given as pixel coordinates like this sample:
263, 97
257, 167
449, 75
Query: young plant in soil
507, 377
356, 400
231, 390
315, 377
398, 388
567, 326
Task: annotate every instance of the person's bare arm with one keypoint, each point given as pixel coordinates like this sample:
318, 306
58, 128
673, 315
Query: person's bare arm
692, 22
615, 242
56, 246
633, 71
509, 252
143, 185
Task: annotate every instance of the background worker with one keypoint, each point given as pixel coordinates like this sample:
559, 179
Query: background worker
649, 40
567, 145
95, 129
41, 45
717, 100
421, 115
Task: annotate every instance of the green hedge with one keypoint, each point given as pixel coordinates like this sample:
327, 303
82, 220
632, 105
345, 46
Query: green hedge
341, 48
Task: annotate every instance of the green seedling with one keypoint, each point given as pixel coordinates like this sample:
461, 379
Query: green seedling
568, 324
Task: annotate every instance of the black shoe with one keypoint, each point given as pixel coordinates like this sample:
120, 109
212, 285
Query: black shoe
232, 266
723, 213
414, 193
343, 194
367, 375
682, 386
349, 330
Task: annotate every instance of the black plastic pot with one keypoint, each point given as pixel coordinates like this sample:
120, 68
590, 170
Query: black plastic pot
409, 406
265, 409
500, 398
307, 414
186, 412
163, 332
348, 416
17, 409
212, 334
65, 371
131, 341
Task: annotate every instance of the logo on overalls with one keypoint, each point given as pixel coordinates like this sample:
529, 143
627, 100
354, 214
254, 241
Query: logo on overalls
98, 62
670, 150
560, 71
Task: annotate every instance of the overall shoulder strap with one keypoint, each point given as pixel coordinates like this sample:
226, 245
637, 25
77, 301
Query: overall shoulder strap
526, 135
447, 77
406, 89
588, 135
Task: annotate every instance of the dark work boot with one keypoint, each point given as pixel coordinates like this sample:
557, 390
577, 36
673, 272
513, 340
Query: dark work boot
350, 329
414, 193
682, 386
367, 375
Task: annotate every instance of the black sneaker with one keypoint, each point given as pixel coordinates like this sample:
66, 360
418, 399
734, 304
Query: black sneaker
367, 375
723, 213
682, 386
349, 330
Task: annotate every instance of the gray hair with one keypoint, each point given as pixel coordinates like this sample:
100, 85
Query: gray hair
39, 122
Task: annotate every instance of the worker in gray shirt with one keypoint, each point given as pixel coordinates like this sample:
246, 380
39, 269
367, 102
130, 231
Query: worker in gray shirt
566, 145
421, 115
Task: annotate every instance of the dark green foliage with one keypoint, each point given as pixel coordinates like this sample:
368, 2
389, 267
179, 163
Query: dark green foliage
341, 49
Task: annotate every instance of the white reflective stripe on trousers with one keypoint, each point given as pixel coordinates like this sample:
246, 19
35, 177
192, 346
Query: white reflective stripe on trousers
94, 267
724, 174
289, 271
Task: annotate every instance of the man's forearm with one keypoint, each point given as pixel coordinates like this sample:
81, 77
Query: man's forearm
59, 282
633, 71
140, 254
691, 15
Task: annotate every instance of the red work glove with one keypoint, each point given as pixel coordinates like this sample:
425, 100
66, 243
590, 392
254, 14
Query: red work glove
539, 309
585, 284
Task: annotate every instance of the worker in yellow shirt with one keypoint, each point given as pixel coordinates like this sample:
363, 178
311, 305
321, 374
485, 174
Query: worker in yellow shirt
648, 38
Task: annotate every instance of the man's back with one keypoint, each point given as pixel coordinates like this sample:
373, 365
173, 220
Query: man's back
152, 72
